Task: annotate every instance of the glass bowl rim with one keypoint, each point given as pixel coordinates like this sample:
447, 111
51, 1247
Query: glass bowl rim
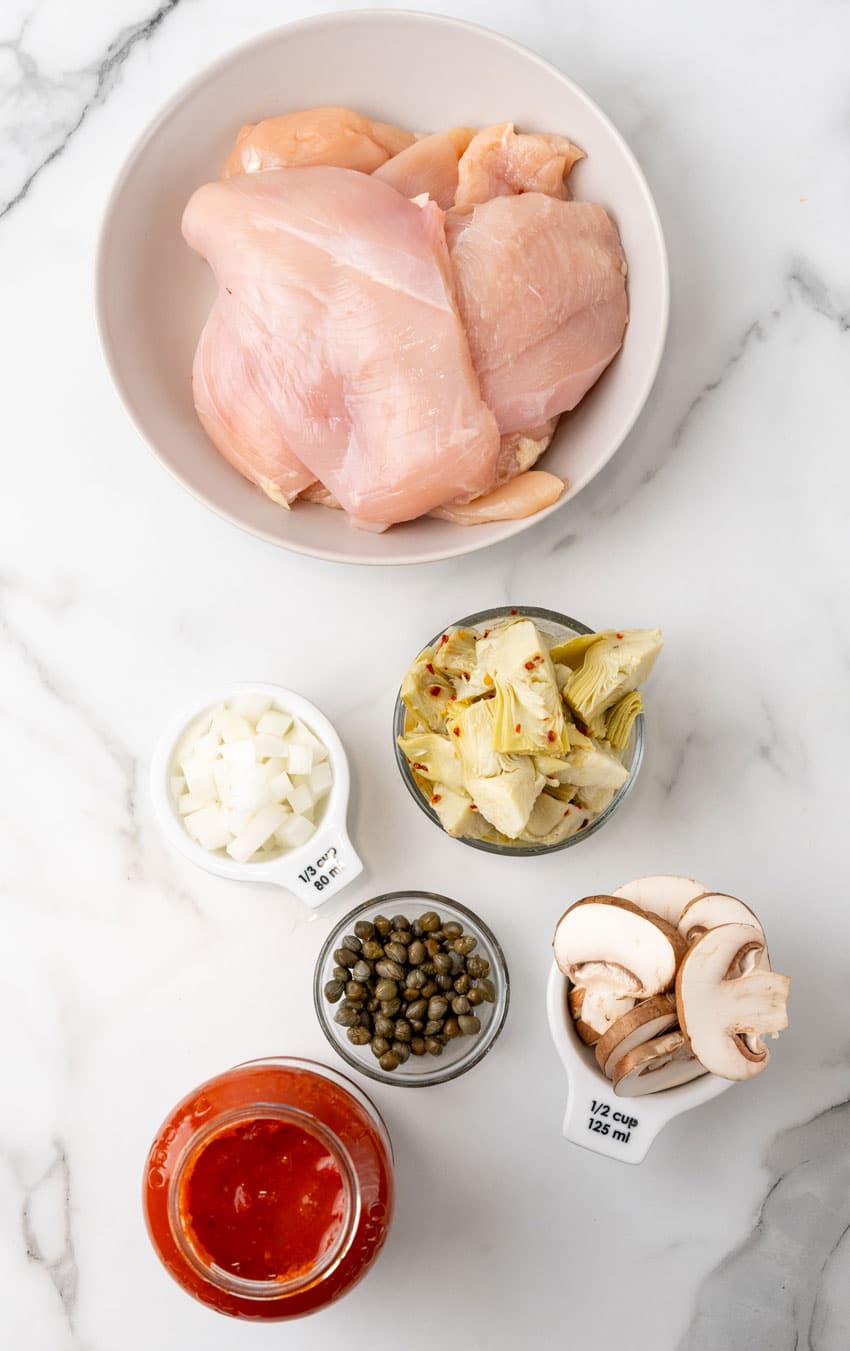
489, 846
478, 1048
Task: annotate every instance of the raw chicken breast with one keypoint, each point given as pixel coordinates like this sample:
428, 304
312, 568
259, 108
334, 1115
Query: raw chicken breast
234, 384
525, 495
499, 162
335, 136
429, 165
520, 450
541, 286
341, 289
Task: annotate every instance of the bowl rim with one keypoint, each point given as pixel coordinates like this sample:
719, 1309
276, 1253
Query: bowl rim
478, 1050
357, 16
488, 846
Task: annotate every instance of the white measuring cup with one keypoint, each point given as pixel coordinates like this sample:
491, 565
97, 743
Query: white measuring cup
596, 1119
315, 871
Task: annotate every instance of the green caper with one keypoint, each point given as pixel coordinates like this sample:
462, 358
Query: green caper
416, 952
452, 929
462, 984
373, 1004
463, 946
429, 922
488, 990
386, 989
382, 924
442, 963
445, 982
477, 966
451, 1028
378, 1046
360, 1036
416, 1024
396, 952
333, 990
361, 970
433, 1026
346, 1017
417, 1046
475, 996
341, 973
433, 1046
469, 1024
402, 1050
390, 969
345, 956
364, 928
416, 979
390, 1007
460, 1004
351, 942
399, 922
403, 1030
417, 1009
372, 950
355, 991
389, 1061
429, 989
437, 1007
384, 1026
402, 936
432, 947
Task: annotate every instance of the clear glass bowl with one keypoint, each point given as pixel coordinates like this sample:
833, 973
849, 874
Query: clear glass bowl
556, 627
461, 1053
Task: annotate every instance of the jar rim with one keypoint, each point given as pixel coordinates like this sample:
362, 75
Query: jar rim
275, 1288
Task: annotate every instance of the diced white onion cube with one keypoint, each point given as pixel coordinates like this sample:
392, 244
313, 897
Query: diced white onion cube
251, 706
208, 828
295, 831
255, 834
276, 723
302, 736
199, 777
240, 754
178, 786
300, 799
266, 745
250, 789
280, 786
234, 727
300, 759
191, 802
321, 780
236, 819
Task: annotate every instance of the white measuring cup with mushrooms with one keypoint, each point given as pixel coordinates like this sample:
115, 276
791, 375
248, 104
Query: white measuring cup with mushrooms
659, 998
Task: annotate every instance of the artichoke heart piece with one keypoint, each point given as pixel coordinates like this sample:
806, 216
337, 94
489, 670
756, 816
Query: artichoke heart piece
611, 668
426, 692
454, 653
594, 767
458, 813
528, 713
621, 719
432, 757
503, 787
595, 799
571, 653
569, 821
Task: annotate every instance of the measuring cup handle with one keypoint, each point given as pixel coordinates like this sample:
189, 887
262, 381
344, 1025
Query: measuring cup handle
323, 867
620, 1128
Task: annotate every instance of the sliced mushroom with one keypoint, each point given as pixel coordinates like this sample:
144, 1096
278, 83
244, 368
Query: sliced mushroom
594, 1011
662, 895
726, 1003
713, 909
607, 944
663, 1063
643, 1023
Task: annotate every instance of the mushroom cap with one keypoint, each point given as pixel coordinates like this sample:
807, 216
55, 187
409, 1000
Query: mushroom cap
643, 1023
713, 909
665, 1062
594, 1011
662, 894
606, 943
726, 1002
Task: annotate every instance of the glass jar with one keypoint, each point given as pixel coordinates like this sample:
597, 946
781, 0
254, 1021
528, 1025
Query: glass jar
268, 1191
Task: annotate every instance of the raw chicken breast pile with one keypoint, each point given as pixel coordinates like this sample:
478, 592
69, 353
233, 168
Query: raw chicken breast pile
401, 319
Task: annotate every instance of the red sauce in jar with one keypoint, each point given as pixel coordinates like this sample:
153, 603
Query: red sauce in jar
268, 1191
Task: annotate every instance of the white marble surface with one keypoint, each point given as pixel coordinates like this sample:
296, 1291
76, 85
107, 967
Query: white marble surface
126, 977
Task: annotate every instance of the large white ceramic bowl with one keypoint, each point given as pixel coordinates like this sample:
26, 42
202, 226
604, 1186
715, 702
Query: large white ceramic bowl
422, 71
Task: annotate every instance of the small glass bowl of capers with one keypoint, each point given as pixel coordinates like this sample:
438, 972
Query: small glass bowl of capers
411, 988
